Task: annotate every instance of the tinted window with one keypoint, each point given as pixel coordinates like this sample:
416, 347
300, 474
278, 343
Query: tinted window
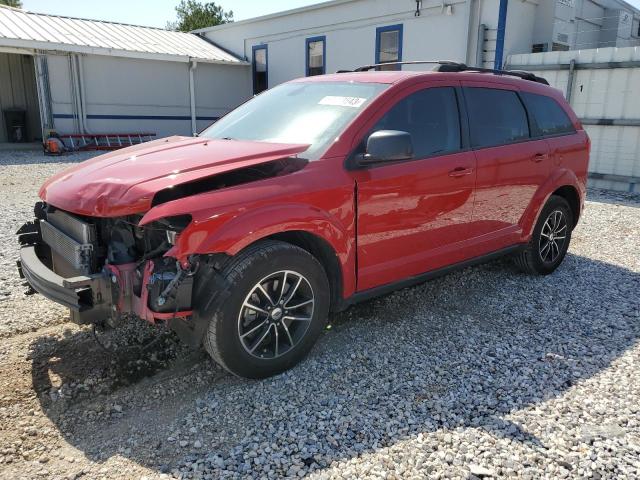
430, 116
550, 118
497, 117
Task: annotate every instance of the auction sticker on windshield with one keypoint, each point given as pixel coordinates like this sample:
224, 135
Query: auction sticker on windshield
354, 102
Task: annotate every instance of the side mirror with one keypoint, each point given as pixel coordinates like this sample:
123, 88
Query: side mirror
387, 146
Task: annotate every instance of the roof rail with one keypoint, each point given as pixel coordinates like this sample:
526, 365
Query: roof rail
449, 66
365, 68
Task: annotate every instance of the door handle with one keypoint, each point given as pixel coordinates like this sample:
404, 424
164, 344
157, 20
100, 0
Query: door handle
538, 157
460, 172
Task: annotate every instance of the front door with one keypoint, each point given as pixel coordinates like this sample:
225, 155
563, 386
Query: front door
413, 216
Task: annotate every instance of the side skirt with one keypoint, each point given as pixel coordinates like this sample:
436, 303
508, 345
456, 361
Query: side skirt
423, 277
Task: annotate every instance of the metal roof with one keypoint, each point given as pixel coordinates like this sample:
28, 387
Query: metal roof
23, 29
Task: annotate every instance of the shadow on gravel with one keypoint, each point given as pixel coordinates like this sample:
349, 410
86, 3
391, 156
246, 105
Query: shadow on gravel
461, 351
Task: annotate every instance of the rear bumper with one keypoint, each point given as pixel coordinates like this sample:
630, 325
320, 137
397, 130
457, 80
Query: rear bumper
88, 297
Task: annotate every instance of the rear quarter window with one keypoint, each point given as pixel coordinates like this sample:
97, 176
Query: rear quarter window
497, 117
550, 117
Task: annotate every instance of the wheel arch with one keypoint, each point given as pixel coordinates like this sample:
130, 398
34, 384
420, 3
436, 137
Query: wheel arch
322, 250
563, 183
571, 195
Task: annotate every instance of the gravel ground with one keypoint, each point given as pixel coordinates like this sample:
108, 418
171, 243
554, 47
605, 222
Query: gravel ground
484, 373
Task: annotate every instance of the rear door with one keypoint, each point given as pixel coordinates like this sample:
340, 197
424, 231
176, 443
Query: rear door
414, 215
511, 164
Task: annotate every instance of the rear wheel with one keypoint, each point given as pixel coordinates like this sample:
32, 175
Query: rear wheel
277, 306
550, 239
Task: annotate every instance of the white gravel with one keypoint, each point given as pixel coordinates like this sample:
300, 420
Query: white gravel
484, 373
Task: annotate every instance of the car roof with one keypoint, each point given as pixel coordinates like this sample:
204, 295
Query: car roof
401, 76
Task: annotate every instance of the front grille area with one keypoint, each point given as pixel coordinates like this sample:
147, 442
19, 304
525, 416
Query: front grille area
78, 255
72, 242
81, 232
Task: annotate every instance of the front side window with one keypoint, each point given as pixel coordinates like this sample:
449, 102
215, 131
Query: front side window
389, 46
316, 52
497, 117
309, 113
260, 69
431, 117
550, 118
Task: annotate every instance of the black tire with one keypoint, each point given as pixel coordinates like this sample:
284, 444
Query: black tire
271, 260
541, 257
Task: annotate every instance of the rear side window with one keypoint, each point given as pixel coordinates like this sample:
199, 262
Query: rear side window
430, 116
550, 117
497, 117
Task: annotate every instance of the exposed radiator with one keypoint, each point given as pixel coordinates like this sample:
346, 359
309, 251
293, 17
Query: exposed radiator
78, 255
80, 231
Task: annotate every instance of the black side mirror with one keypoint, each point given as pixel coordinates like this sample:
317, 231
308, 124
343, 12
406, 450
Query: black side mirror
387, 146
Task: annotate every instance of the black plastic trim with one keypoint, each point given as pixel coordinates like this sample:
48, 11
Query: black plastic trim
74, 293
430, 275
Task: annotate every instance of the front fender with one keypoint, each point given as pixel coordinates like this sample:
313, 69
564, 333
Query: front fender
559, 178
232, 233
229, 230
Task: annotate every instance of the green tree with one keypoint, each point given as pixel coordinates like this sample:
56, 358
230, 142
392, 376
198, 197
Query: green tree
193, 15
12, 3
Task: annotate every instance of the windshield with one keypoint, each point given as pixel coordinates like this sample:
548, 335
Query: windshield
311, 113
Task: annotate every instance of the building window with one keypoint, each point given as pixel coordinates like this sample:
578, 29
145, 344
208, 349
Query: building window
260, 69
389, 46
316, 56
539, 47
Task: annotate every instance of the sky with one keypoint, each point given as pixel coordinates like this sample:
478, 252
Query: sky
154, 13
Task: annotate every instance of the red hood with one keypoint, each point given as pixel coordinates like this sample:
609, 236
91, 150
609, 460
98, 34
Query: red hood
124, 181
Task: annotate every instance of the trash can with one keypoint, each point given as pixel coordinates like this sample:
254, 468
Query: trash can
15, 119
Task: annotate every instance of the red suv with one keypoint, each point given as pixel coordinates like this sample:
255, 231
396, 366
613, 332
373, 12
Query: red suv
312, 196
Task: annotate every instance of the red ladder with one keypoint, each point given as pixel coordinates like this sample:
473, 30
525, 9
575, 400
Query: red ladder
104, 141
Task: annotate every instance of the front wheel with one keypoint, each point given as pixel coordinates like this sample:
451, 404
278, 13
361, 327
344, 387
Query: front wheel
277, 307
550, 239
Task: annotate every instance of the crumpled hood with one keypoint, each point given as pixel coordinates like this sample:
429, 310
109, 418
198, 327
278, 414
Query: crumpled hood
124, 182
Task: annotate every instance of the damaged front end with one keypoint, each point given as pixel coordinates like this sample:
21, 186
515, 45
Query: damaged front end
104, 268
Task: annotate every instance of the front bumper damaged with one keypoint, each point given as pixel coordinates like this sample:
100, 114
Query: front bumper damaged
59, 259
87, 296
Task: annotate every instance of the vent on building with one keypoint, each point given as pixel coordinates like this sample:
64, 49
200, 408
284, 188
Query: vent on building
559, 47
563, 37
539, 47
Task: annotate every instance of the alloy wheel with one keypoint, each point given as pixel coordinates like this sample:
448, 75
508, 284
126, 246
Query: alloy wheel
553, 236
276, 314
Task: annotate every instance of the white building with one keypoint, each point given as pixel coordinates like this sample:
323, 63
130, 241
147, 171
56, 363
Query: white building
76, 75
343, 34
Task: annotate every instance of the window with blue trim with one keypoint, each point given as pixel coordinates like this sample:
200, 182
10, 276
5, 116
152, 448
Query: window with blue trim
389, 46
315, 56
260, 69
